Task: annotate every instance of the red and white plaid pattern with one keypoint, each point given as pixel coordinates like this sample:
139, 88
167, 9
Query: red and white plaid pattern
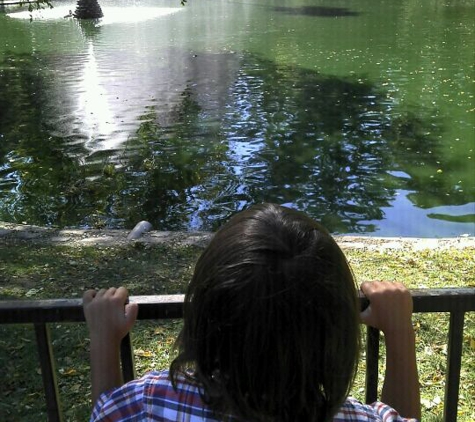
152, 398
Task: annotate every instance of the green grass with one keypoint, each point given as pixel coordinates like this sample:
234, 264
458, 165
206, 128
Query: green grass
428, 269
45, 271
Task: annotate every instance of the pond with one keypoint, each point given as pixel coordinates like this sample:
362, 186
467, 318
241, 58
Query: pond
360, 113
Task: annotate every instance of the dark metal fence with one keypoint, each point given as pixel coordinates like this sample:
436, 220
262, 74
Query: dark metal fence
42, 312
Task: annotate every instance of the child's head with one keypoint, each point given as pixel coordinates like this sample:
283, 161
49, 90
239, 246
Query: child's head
271, 324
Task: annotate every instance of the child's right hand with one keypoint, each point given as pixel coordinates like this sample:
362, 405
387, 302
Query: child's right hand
108, 315
390, 308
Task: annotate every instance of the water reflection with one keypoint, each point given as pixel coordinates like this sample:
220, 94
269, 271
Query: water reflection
122, 122
93, 104
433, 180
316, 142
284, 134
318, 11
112, 15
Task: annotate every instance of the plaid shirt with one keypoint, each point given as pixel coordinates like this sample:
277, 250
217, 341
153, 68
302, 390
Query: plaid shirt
152, 398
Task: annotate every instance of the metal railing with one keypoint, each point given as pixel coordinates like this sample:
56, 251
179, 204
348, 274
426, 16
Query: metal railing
40, 313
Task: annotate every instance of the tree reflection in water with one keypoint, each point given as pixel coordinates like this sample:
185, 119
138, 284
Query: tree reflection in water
288, 135
321, 143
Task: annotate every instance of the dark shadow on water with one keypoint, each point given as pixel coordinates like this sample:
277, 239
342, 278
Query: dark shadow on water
317, 11
89, 27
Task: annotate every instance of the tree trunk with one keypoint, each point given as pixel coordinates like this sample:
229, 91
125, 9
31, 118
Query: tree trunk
88, 9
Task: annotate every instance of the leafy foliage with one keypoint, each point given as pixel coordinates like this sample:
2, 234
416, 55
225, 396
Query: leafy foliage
37, 4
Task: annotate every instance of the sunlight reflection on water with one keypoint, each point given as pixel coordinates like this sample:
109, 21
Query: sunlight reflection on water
98, 124
111, 14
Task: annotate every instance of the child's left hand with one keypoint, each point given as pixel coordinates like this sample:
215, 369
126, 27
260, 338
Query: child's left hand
109, 317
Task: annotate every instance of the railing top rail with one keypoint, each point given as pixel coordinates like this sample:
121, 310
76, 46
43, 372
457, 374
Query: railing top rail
70, 310
444, 300
171, 306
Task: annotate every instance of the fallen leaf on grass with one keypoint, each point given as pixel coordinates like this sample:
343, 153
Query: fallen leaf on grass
143, 353
68, 372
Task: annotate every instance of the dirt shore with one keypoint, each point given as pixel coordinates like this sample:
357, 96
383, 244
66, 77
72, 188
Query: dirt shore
11, 233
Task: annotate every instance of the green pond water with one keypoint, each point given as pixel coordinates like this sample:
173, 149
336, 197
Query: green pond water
360, 113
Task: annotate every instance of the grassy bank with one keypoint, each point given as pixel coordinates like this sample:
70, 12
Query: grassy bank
34, 270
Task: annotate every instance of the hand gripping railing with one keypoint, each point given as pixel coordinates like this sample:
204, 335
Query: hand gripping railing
456, 301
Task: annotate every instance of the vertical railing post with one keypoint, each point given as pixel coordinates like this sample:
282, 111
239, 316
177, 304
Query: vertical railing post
127, 359
48, 372
372, 360
456, 301
454, 362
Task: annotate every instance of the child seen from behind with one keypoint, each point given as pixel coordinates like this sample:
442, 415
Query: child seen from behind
271, 333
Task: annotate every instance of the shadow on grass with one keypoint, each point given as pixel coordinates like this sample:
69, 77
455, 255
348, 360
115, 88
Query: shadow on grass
49, 271
21, 388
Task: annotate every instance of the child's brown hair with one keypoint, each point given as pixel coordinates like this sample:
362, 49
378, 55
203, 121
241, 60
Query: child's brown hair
271, 319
